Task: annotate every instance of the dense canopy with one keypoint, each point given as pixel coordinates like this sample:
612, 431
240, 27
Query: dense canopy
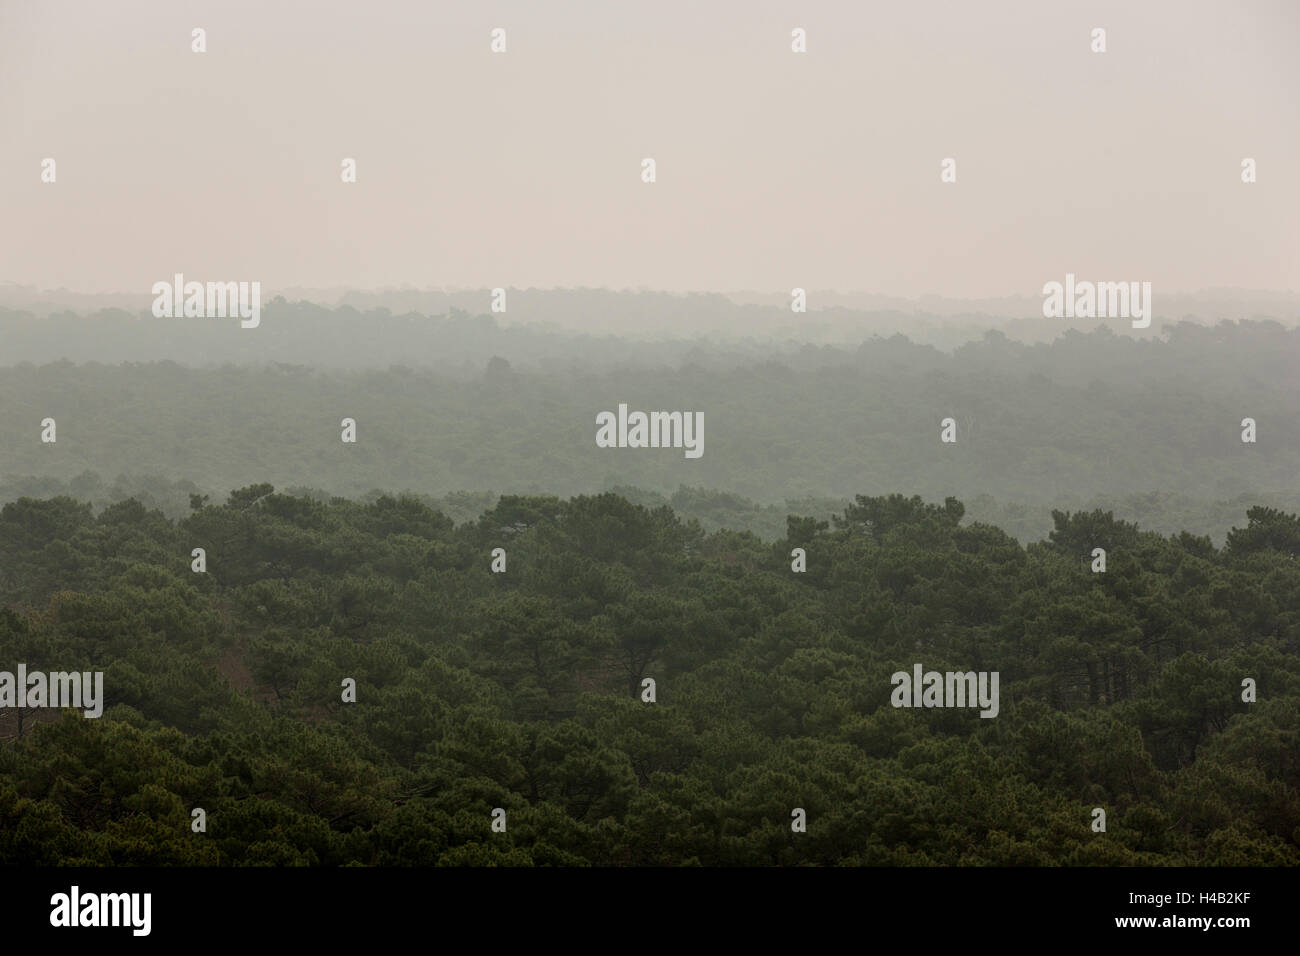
523, 690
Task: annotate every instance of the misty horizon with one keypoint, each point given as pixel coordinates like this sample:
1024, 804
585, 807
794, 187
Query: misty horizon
523, 169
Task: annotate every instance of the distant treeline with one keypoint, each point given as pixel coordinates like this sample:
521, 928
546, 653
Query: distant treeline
453, 330
715, 510
616, 329
1150, 429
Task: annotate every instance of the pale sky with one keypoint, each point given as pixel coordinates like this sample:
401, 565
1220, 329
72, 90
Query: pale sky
775, 169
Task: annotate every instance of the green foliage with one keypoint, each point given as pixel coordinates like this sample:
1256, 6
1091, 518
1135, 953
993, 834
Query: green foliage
522, 690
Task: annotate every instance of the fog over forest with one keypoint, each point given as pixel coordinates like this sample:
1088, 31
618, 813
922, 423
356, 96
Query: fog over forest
460, 407
736, 434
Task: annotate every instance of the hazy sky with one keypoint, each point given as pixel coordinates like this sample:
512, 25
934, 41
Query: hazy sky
775, 169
